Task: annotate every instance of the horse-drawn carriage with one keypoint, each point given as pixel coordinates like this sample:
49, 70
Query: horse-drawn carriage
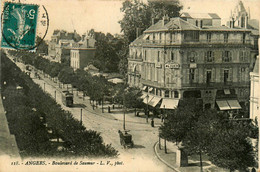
126, 139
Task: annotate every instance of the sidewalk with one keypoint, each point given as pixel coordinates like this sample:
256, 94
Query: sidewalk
169, 159
116, 114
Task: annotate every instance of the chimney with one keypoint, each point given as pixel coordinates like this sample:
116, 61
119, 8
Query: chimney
165, 19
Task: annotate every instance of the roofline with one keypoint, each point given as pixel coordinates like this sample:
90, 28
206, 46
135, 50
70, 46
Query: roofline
215, 30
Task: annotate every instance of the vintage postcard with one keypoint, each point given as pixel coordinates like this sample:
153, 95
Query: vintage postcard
129, 85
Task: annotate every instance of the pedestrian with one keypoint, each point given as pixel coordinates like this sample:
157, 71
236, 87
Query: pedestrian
152, 122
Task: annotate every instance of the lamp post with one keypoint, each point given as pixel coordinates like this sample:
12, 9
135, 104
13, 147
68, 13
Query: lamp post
81, 116
147, 113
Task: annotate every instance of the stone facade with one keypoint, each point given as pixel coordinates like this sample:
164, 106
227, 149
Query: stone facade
175, 59
82, 53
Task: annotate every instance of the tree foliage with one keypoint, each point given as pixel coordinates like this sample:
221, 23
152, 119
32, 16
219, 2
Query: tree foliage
138, 15
30, 110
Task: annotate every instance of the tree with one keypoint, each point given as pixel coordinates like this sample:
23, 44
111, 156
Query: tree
42, 46
198, 139
231, 147
181, 121
138, 16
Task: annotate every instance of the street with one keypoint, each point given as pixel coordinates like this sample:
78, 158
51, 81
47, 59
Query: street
143, 135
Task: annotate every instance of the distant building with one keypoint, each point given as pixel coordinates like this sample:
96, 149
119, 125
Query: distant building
58, 47
192, 56
92, 69
82, 52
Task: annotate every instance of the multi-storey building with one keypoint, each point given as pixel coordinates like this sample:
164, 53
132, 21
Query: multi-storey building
192, 56
58, 48
83, 52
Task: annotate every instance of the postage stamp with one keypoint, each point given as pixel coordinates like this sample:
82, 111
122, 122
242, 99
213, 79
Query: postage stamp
19, 24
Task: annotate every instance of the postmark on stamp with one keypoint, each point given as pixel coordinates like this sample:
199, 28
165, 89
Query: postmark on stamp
20, 24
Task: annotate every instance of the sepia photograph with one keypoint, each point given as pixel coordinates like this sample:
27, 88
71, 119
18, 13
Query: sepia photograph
129, 85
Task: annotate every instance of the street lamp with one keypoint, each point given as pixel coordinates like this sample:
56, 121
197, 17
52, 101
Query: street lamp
147, 112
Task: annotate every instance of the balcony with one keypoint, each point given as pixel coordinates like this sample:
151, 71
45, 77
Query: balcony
216, 85
212, 42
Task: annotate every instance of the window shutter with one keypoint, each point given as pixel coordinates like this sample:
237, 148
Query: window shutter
213, 77
205, 56
240, 56
230, 74
221, 75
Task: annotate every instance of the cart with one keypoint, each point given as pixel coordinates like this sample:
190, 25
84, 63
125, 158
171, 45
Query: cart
126, 139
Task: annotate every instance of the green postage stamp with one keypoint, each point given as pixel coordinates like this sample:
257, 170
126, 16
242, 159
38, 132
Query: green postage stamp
19, 22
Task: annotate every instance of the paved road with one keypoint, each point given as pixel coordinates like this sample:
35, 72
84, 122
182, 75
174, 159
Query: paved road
142, 156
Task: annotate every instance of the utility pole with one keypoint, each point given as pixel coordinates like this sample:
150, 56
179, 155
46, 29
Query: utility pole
81, 116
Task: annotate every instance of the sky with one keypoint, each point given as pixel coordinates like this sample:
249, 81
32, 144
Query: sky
103, 15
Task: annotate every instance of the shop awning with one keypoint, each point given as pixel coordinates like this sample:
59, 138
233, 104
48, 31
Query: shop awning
226, 91
169, 104
143, 96
149, 99
144, 88
234, 104
223, 105
154, 101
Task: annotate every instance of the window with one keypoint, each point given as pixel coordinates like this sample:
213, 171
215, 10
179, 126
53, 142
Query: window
172, 56
191, 36
145, 55
244, 38
225, 37
226, 56
209, 56
243, 56
158, 56
208, 76
166, 94
197, 22
160, 36
176, 94
226, 73
208, 37
192, 74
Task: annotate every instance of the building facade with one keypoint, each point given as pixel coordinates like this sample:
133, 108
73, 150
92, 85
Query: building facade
254, 92
192, 56
59, 46
83, 52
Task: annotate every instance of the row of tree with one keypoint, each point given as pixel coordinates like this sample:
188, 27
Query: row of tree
96, 87
35, 118
226, 142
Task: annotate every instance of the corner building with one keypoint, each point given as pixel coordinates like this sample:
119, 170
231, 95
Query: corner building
192, 56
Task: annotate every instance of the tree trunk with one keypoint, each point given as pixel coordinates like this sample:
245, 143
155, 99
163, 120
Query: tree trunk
165, 148
201, 167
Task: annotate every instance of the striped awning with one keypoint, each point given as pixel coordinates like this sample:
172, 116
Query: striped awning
234, 104
149, 99
143, 96
154, 101
169, 104
223, 105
